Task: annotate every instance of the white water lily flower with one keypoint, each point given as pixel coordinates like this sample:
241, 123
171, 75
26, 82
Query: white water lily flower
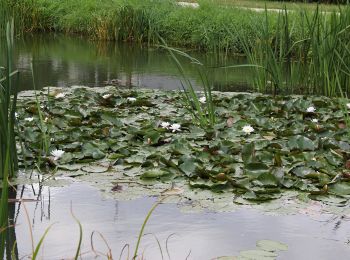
202, 100
57, 154
131, 99
175, 127
29, 119
314, 120
106, 96
248, 129
310, 109
348, 105
165, 125
16, 115
46, 119
60, 95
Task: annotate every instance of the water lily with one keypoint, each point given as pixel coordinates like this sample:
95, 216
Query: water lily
16, 115
29, 119
310, 109
348, 105
57, 154
202, 100
314, 120
175, 127
106, 96
131, 99
60, 95
165, 125
248, 129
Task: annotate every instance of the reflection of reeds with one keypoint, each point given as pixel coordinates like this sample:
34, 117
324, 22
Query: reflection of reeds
317, 63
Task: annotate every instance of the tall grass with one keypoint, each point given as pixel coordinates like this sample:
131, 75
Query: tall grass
138, 21
317, 63
8, 152
202, 112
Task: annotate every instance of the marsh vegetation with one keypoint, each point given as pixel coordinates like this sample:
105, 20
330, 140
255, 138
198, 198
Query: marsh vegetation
236, 148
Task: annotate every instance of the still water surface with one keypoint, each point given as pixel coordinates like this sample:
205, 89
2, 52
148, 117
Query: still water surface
64, 61
204, 235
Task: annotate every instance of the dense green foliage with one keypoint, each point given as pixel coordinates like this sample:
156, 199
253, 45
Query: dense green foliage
141, 21
258, 147
318, 62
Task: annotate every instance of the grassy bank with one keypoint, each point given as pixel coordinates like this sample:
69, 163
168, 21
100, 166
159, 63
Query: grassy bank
203, 28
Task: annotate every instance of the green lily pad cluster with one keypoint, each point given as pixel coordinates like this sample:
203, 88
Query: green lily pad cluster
288, 147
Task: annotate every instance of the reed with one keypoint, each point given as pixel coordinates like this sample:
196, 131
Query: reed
316, 63
8, 152
199, 104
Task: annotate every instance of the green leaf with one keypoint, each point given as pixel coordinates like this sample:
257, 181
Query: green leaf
156, 173
271, 246
112, 119
248, 151
268, 179
256, 254
256, 169
189, 167
301, 143
340, 188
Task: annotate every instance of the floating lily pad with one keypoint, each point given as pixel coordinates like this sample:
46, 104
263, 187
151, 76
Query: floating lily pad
256, 254
271, 246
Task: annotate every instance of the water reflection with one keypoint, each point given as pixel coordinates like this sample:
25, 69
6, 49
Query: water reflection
206, 235
10, 242
64, 61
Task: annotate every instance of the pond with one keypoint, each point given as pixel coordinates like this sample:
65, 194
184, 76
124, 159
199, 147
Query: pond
203, 235
63, 61
134, 157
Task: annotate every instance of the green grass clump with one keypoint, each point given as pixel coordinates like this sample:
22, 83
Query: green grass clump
202, 28
316, 63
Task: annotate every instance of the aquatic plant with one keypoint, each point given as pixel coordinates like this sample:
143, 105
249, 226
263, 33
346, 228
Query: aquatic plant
8, 151
259, 147
316, 63
202, 108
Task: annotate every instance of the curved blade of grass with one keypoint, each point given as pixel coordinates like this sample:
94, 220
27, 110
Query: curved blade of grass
166, 244
121, 253
80, 233
144, 225
159, 246
109, 254
37, 248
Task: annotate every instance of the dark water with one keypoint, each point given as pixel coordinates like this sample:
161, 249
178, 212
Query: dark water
64, 61
204, 235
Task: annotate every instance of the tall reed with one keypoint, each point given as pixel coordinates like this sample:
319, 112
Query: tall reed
8, 152
317, 63
202, 110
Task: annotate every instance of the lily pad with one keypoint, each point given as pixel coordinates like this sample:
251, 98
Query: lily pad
271, 246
